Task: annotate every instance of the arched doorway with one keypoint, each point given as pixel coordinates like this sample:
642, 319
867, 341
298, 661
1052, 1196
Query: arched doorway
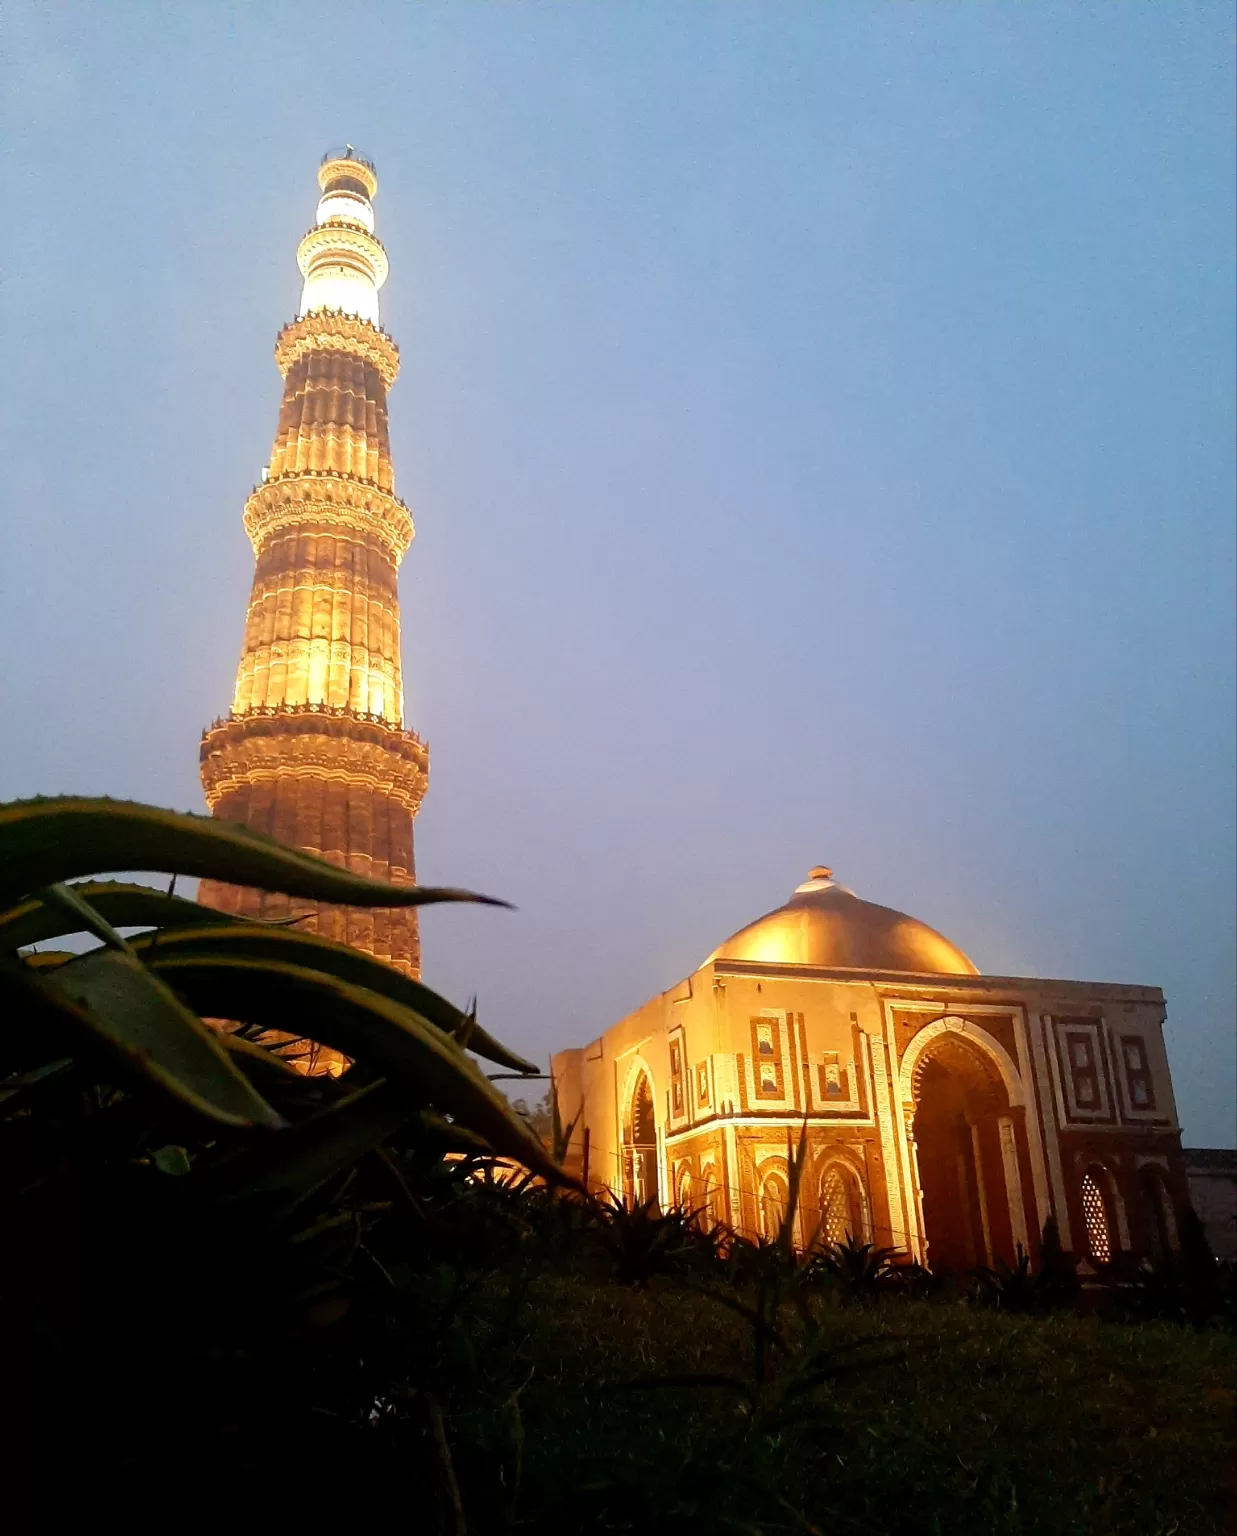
640, 1144
966, 1140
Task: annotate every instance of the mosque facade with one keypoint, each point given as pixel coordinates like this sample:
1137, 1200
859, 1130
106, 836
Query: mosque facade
948, 1114
315, 750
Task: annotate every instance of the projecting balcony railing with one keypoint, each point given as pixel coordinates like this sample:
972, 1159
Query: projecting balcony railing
353, 227
340, 314
347, 152
335, 711
329, 474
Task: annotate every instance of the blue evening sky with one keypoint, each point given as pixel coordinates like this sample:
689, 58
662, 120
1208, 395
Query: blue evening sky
819, 420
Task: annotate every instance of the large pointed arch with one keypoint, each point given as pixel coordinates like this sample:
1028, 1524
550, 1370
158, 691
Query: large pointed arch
912, 1057
639, 1159
965, 1106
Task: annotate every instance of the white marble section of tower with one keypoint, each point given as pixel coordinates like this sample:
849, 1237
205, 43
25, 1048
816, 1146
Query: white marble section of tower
341, 259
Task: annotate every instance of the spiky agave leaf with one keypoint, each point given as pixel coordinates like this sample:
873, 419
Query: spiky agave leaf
259, 941
560, 1136
258, 1062
291, 1166
59, 838
388, 1038
121, 903
795, 1160
108, 1003
445, 1135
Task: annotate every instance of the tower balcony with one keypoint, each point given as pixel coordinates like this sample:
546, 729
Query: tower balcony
329, 500
331, 330
345, 747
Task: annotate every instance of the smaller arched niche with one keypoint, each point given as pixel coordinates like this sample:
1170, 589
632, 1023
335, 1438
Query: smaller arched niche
712, 1197
843, 1204
1159, 1219
640, 1144
774, 1201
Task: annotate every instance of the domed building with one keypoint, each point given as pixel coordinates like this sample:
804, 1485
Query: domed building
949, 1114
826, 924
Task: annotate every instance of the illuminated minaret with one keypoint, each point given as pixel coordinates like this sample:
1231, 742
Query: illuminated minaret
314, 749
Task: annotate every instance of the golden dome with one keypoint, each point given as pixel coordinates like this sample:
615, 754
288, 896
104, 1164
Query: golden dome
826, 924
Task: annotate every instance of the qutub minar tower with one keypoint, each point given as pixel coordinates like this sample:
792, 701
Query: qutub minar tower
314, 750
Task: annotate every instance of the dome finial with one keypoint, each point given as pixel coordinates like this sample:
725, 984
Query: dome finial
820, 872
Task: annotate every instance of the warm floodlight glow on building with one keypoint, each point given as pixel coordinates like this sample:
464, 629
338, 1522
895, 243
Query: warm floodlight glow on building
945, 1114
341, 259
314, 750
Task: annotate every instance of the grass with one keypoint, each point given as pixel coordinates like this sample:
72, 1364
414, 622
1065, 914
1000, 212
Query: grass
984, 1423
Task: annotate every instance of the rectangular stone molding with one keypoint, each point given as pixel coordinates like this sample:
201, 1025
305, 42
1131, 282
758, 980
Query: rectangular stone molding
1013, 1182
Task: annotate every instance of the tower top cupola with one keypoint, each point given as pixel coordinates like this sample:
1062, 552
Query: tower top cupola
341, 259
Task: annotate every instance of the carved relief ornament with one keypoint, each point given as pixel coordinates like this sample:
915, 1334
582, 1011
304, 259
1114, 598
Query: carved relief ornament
313, 741
336, 242
330, 500
348, 168
331, 330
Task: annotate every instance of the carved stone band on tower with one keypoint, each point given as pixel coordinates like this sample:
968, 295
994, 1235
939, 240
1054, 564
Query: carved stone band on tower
314, 749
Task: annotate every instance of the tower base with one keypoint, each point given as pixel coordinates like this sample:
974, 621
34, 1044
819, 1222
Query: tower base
334, 783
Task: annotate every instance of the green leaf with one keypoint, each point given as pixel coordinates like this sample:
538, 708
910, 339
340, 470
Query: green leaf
446, 1136
49, 959
16, 1091
259, 941
257, 1061
172, 1160
56, 839
560, 1138
140, 1022
63, 899
794, 1174
303, 1157
381, 1034
119, 903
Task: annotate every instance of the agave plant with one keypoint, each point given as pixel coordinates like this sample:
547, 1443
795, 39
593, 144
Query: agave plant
858, 1271
560, 1134
198, 1244
1009, 1287
137, 1008
642, 1240
1024, 1287
1186, 1284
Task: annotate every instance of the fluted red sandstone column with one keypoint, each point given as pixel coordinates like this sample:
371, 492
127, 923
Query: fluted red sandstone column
314, 750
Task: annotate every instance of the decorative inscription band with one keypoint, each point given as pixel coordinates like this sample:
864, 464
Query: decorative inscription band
337, 745
330, 330
329, 500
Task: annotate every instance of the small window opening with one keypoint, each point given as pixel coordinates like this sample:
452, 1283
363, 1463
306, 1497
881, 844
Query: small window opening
1095, 1214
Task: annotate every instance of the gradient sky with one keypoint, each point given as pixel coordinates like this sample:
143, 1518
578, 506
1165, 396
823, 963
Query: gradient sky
819, 421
